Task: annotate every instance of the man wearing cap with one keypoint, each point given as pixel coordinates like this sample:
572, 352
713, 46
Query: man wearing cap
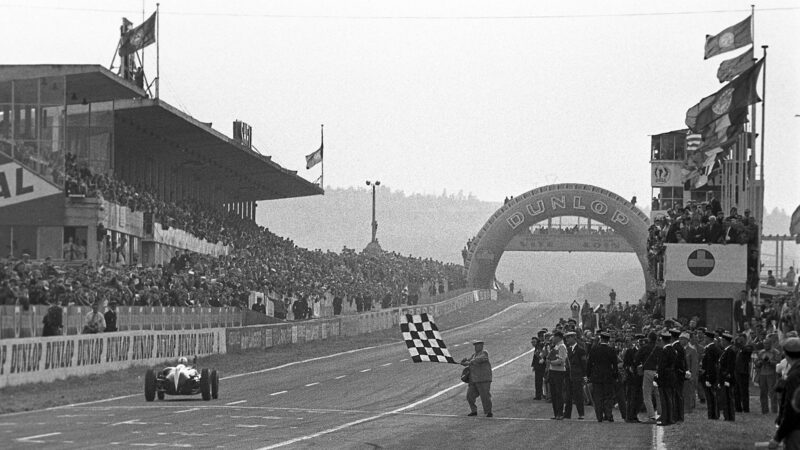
727, 378
680, 374
557, 367
665, 379
480, 380
601, 369
576, 371
708, 373
744, 355
689, 385
633, 381
788, 421
538, 364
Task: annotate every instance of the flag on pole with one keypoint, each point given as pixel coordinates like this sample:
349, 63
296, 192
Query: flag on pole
423, 340
731, 68
314, 158
693, 141
139, 37
731, 38
737, 94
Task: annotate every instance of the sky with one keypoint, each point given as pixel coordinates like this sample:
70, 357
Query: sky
492, 98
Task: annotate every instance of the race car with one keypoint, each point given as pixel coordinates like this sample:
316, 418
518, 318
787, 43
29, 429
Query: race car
181, 379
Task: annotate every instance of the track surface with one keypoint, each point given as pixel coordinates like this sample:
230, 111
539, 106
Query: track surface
368, 398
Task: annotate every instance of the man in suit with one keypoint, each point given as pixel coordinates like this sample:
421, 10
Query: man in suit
601, 369
680, 375
788, 421
633, 381
480, 380
648, 357
727, 378
743, 311
557, 368
708, 373
665, 379
743, 365
576, 371
538, 364
689, 385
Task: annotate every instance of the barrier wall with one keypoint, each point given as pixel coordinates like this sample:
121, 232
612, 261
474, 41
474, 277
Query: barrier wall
24, 361
241, 339
16, 322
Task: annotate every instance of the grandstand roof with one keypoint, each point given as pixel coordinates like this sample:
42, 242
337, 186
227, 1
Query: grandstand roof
154, 125
89, 82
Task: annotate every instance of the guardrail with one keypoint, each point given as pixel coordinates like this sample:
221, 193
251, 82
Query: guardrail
240, 339
18, 322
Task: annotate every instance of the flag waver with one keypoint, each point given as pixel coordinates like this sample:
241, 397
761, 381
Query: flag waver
731, 38
423, 340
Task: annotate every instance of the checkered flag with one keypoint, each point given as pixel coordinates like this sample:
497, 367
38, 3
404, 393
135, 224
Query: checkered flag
423, 339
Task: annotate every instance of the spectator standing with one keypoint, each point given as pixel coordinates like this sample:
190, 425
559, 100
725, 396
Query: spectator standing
111, 317
727, 378
557, 367
743, 310
538, 364
95, 322
743, 358
601, 370
53, 321
689, 385
665, 379
576, 372
790, 277
768, 358
788, 421
771, 279
647, 359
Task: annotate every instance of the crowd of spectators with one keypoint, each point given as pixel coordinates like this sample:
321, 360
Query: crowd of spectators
260, 261
704, 223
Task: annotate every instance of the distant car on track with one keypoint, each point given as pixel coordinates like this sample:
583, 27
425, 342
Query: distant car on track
181, 379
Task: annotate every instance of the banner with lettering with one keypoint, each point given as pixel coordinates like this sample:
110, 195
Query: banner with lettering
32, 360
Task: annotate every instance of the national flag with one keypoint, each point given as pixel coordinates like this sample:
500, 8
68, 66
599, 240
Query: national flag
693, 141
725, 128
314, 158
423, 340
731, 68
794, 226
737, 94
139, 37
731, 38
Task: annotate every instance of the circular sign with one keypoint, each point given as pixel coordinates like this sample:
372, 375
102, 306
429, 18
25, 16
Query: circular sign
700, 263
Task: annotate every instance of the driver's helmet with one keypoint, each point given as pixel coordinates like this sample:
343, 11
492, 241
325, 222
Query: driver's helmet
183, 360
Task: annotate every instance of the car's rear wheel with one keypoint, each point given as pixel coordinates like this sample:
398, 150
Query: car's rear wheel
214, 384
205, 384
150, 385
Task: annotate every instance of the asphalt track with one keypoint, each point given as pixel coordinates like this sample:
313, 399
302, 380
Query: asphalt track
367, 398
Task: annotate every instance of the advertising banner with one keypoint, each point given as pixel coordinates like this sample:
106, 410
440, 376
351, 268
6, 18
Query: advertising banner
706, 262
34, 360
665, 174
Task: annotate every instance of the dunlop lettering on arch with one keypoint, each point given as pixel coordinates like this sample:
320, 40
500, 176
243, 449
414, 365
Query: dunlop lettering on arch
537, 205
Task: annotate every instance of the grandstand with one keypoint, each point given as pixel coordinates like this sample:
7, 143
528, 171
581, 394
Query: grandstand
108, 195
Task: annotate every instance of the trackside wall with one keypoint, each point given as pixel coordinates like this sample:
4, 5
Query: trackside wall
240, 339
32, 360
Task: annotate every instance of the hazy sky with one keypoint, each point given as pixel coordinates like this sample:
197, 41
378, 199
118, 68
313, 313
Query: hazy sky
489, 97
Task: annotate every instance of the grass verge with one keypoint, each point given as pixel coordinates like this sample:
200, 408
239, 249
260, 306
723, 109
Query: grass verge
130, 381
697, 432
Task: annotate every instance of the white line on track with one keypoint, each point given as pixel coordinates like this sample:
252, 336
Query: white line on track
658, 438
340, 377
365, 370
121, 397
236, 403
387, 364
35, 439
383, 414
279, 393
187, 410
312, 384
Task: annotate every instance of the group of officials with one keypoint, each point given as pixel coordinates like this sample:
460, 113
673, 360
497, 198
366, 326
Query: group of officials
638, 372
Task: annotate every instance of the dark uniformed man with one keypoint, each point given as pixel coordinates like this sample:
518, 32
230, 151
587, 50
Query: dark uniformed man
480, 380
576, 371
601, 369
727, 378
744, 355
709, 366
538, 364
633, 381
680, 374
665, 379
788, 421
111, 317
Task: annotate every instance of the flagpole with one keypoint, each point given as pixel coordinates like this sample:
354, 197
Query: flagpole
322, 146
158, 49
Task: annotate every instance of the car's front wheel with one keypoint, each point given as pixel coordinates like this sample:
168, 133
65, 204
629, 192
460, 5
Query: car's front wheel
150, 385
205, 384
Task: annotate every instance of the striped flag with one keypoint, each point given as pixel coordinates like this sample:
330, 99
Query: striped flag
693, 141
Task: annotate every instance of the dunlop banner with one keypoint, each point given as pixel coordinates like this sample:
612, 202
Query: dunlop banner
32, 360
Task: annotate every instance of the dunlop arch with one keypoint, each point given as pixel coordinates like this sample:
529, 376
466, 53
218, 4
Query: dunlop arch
546, 202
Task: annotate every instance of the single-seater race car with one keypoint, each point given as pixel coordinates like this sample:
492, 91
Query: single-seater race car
181, 379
